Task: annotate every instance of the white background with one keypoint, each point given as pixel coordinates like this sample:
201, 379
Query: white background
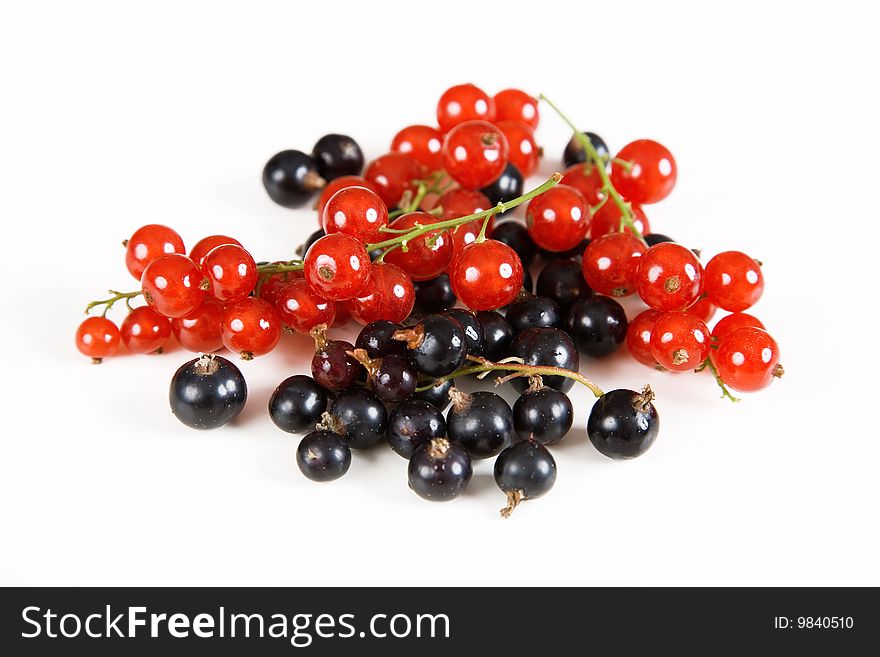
117, 114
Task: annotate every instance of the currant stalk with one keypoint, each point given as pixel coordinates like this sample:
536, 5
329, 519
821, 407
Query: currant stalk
725, 391
117, 296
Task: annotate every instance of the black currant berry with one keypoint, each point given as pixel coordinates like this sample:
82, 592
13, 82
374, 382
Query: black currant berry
507, 186
542, 413
358, 416
656, 238
497, 334
440, 470
623, 423
436, 346
533, 312
376, 338
524, 471
311, 239
323, 456
291, 178
481, 421
297, 404
575, 253
338, 155
545, 347
434, 295
515, 235
412, 424
574, 151
207, 392
563, 281
528, 283
333, 366
438, 395
391, 378
473, 331
598, 325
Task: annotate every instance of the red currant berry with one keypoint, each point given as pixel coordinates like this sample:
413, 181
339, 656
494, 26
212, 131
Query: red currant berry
343, 316
610, 263
393, 174
586, 179
522, 149
486, 275
680, 341
748, 359
389, 295
467, 234
337, 267
97, 338
174, 285
341, 183
144, 331
231, 271
271, 285
475, 153
638, 336
669, 277
199, 331
516, 105
428, 255
704, 309
558, 219
301, 309
734, 281
649, 175
457, 203
356, 211
607, 220
422, 143
733, 322
463, 102
250, 327
148, 243
200, 250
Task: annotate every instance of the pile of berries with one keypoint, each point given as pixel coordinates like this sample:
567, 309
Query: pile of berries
403, 242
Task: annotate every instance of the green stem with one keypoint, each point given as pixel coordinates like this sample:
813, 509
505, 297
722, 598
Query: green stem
117, 296
725, 391
276, 268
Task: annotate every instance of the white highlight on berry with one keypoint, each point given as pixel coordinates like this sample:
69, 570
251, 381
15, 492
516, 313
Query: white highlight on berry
471, 274
576, 214
505, 270
460, 153
354, 262
603, 263
738, 358
690, 270
372, 215
160, 282
481, 106
766, 354
434, 145
453, 108
236, 325
752, 276
665, 166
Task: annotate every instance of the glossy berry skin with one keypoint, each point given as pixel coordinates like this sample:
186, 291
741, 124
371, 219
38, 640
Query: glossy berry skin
250, 327
376, 338
546, 347
337, 267
148, 243
516, 236
207, 392
337, 156
607, 220
610, 264
311, 239
199, 330
598, 325
467, 234
563, 282
457, 203
734, 321
464, 102
497, 334
440, 471
413, 424
486, 275
291, 178
638, 336
173, 285
474, 153
516, 105
575, 154
527, 468
652, 175
438, 395
734, 281
428, 255
623, 424
323, 456
332, 367
542, 414
669, 277
558, 219
392, 378
473, 330
231, 272
507, 186
338, 184
482, 422
422, 143
680, 341
393, 174
97, 338
356, 211
434, 296
144, 331
534, 312
300, 309
748, 359
388, 294
204, 245
586, 179
436, 346
297, 404
522, 149
359, 417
